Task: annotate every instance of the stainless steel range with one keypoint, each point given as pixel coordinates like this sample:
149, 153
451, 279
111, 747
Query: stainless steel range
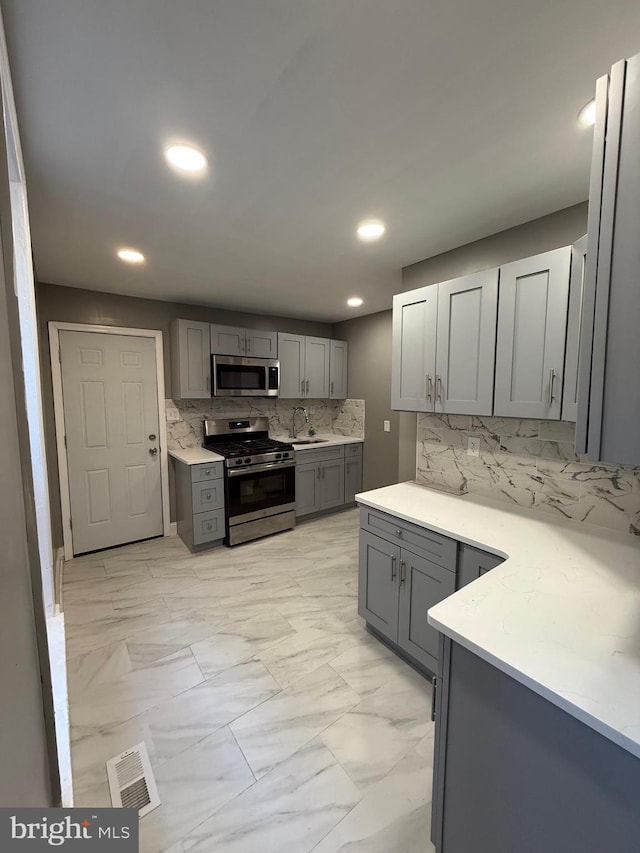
260, 477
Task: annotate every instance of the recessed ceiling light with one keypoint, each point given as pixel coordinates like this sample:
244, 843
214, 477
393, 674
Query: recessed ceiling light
131, 256
371, 229
587, 115
185, 158
354, 301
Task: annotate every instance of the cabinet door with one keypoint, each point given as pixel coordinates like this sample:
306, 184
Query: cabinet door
422, 584
317, 360
338, 370
227, 340
378, 584
291, 354
190, 360
413, 362
532, 325
576, 287
614, 395
466, 344
331, 484
307, 488
352, 478
472, 563
261, 344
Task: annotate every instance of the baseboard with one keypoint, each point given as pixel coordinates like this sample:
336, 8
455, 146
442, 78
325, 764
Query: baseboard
58, 579
173, 528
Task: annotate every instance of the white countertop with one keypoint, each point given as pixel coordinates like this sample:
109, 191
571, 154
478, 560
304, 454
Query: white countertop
328, 440
195, 456
561, 615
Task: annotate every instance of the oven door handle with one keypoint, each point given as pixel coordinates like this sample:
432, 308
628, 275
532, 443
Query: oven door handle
257, 469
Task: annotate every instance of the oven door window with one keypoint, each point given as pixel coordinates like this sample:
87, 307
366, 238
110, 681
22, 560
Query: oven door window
240, 377
252, 492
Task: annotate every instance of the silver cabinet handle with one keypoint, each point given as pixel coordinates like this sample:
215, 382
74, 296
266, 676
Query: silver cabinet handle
208, 496
302, 386
331, 392
393, 568
319, 470
248, 342
434, 682
398, 531
402, 575
307, 386
428, 386
438, 388
208, 471
209, 526
552, 376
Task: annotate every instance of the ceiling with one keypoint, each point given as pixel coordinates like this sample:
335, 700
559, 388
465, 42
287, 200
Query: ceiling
448, 119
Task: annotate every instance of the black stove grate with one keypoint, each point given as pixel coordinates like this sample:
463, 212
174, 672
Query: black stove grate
252, 446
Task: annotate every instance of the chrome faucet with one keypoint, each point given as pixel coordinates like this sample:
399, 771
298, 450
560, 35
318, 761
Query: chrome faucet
293, 419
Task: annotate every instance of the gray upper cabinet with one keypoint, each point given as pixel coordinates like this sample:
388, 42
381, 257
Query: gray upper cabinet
338, 370
576, 286
190, 360
532, 323
252, 343
414, 349
304, 366
608, 386
465, 350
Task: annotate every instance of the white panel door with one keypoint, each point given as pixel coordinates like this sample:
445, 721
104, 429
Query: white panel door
109, 388
291, 356
414, 349
532, 326
338, 370
466, 344
317, 359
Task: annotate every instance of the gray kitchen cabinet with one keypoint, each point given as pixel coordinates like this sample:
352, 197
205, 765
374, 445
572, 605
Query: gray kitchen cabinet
504, 756
532, 323
331, 484
307, 488
410, 569
378, 584
352, 471
576, 287
465, 344
444, 346
190, 360
338, 363
304, 366
608, 387
252, 343
422, 584
413, 357
473, 563
199, 493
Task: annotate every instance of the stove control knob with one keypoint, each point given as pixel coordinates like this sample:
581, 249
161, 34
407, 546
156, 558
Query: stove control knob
285, 455
278, 455
238, 461
247, 460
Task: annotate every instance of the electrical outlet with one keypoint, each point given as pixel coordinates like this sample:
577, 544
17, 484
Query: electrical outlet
172, 415
386, 426
473, 446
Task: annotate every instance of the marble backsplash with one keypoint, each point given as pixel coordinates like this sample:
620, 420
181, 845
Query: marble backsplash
343, 417
529, 463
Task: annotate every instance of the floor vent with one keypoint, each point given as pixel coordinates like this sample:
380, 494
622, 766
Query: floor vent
131, 781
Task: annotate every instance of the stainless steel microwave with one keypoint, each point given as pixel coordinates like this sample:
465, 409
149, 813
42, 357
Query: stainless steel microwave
234, 376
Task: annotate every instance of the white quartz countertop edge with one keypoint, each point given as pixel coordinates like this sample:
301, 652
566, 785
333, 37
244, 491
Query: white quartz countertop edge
195, 456
561, 615
328, 440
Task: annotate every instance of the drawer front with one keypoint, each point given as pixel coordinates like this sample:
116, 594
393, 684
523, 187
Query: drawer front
436, 547
208, 471
319, 454
351, 450
207, 495
208, 526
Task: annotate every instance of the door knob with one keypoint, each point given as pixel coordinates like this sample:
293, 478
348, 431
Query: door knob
153, 450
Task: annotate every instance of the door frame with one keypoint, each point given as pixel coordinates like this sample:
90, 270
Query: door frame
58, 409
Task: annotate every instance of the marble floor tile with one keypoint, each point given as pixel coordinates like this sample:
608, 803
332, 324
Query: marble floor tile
301, 653
370, 666
222, 651
276, 729
289, 809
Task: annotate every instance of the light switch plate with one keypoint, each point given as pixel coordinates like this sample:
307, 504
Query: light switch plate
473, 446
386, 426
172, 415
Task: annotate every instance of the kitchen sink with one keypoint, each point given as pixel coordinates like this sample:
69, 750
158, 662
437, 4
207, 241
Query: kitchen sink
308, 440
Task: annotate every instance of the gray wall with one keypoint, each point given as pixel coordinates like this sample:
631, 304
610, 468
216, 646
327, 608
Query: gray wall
74, 305
369, 379
28, 763
539, 235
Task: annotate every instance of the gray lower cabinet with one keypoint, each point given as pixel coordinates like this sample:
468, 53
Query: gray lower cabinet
327, 478
473, 563
397, 585
513, 772
532, 324
608, 387
200, 504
